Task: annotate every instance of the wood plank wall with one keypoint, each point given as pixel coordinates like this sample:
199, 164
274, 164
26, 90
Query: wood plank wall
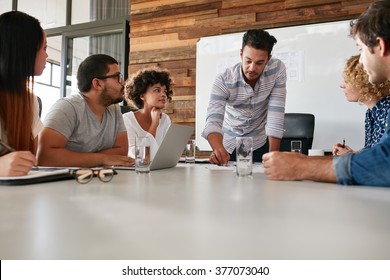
165, 32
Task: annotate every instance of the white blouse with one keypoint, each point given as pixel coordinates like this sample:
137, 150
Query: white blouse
135, 130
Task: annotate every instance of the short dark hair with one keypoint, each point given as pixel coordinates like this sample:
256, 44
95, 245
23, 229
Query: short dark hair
93, 66
259, 39
373, 23
138, 83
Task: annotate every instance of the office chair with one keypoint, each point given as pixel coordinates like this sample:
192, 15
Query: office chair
125, 109
40, 106
298, 127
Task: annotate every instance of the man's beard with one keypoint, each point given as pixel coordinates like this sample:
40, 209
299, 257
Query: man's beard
106, 99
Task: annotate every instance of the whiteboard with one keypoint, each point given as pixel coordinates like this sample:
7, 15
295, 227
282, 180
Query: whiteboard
315, 56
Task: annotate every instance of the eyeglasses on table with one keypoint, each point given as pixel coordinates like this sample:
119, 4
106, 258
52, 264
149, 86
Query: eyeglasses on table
85, 175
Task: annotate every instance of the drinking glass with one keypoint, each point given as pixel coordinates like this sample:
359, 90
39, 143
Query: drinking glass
244, 151
190, 151
142, 155
296, 146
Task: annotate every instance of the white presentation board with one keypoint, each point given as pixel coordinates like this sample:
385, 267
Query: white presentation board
315, 56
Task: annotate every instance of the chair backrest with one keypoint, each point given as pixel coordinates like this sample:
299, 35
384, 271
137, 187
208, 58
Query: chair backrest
298, 127
40, 106
125, 109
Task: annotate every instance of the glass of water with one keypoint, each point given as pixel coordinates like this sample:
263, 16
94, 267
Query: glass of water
142, 155
244, 154
190, 151
296, 146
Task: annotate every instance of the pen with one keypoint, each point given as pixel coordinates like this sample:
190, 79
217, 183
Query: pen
343, 143
7, 147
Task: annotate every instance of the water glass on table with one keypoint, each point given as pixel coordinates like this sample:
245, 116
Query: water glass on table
296, 146
190, 151
244, 154
142, 155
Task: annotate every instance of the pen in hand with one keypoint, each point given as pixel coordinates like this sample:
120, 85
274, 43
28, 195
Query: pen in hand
343, 146
9, 149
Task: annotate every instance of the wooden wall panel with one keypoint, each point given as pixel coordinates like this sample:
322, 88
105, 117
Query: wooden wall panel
165, 32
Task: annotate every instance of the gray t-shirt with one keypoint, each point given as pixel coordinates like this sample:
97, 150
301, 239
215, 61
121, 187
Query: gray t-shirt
72, 117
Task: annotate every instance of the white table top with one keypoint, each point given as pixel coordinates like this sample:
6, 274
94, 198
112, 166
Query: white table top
191, 212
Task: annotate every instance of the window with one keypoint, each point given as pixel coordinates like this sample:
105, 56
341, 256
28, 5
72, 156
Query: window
92, 10
81, 47
75, 31
5, 6
51, 13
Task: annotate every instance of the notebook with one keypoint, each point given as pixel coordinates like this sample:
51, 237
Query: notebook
171, 148
38, 175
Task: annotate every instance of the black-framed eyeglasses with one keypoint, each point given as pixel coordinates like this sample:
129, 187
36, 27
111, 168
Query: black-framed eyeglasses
119, 77
85, 175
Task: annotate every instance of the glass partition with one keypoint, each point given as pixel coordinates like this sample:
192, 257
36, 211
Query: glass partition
50, 13
92, 10
47, 86
5, 6
81, 47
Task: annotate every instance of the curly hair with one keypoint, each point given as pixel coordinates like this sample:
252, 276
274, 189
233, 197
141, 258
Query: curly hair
355, 75
138, 83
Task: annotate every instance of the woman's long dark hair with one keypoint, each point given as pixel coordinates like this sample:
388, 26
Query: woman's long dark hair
21, 36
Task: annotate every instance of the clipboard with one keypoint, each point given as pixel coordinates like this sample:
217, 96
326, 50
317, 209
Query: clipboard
38, 175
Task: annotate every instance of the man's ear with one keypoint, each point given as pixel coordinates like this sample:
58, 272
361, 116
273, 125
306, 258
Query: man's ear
96, 83
241, 54
383, 46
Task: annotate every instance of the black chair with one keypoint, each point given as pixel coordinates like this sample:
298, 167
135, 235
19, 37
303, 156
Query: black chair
125, 109
298, 127
40, 106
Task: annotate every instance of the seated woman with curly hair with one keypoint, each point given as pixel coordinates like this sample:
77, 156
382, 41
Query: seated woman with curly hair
376, 97
149, 90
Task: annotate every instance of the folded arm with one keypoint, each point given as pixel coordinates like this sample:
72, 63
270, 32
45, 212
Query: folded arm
52, 152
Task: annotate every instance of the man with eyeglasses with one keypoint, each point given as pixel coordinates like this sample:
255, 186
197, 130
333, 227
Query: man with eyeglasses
87, 129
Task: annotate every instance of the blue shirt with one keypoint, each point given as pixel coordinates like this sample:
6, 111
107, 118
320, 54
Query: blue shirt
236, 109
369, 167
375, 122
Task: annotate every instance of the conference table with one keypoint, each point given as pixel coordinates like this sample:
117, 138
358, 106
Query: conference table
194, 211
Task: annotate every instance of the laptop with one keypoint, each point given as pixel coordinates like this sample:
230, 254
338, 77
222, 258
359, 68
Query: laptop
171, 148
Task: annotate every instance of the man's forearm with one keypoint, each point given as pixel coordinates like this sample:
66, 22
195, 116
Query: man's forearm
316, 169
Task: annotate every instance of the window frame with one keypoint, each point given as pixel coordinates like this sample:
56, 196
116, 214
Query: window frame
119, 25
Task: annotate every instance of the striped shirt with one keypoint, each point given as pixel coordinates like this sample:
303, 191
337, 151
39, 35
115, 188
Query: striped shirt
235, 109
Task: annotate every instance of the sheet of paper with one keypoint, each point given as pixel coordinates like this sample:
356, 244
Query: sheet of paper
257, 167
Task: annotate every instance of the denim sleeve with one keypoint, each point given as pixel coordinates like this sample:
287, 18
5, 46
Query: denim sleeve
370, 167
342, 169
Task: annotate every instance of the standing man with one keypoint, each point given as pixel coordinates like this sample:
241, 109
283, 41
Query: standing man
87, 129
248, 99
369, 167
